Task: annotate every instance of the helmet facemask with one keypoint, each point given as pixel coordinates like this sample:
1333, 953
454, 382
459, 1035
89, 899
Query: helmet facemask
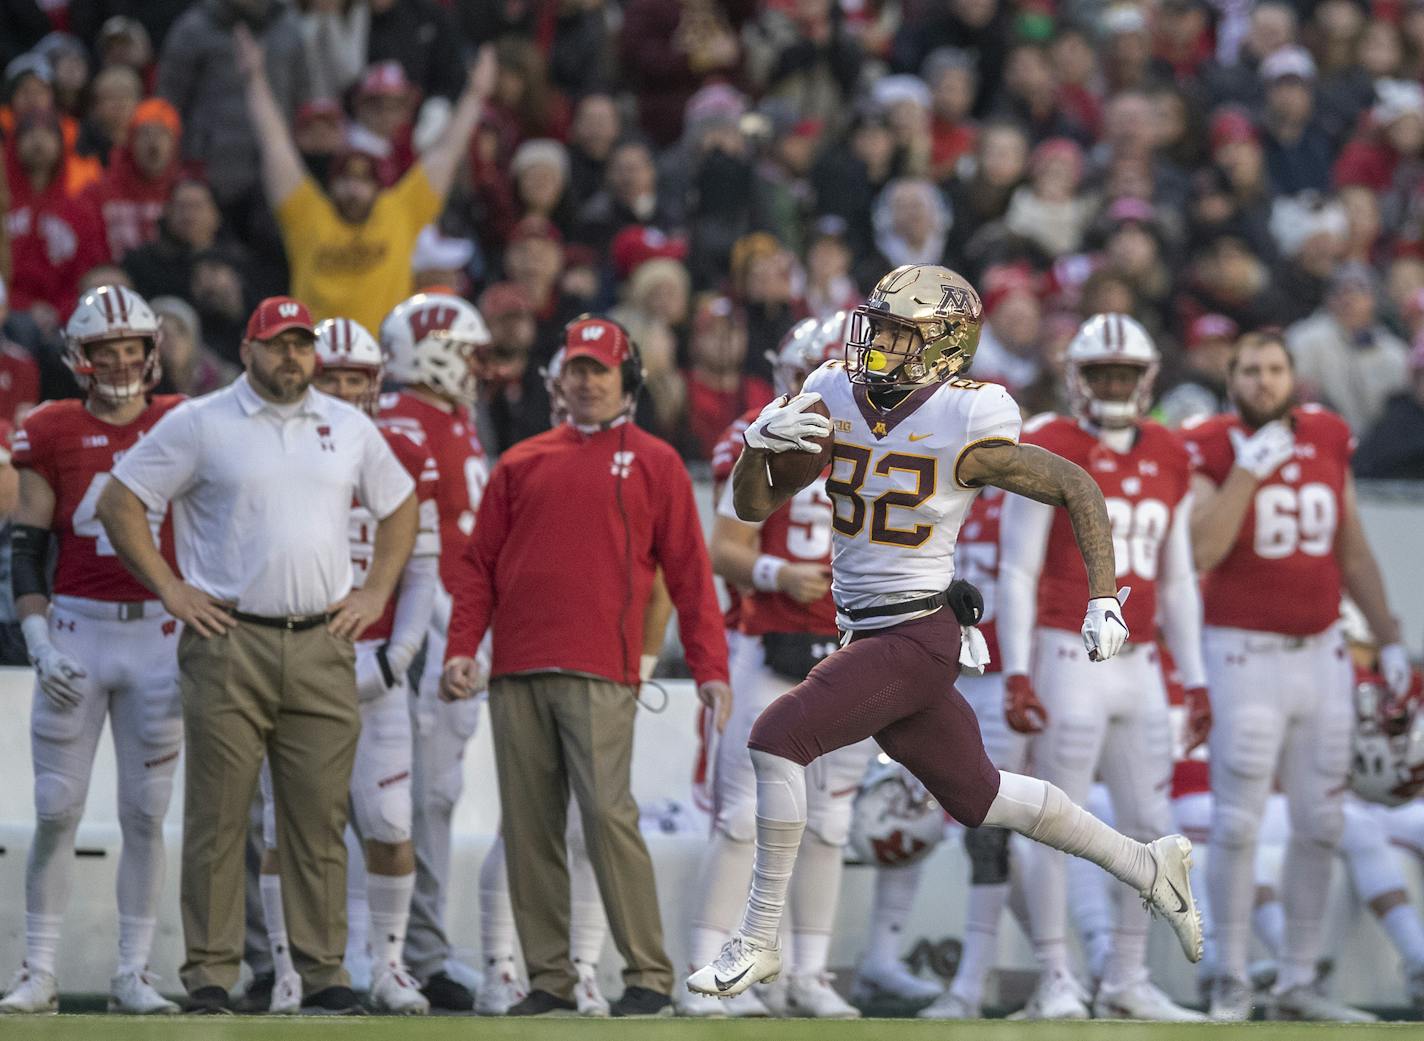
925, 316
1110, 415
114, 384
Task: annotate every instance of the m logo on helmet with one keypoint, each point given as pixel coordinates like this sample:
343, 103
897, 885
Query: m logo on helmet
288, 310
426, 320
953, 300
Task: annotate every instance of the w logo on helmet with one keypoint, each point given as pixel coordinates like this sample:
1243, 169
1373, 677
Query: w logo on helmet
591, 332
288, 310
426, 320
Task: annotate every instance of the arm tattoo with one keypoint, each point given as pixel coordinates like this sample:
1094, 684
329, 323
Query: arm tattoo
1040, 475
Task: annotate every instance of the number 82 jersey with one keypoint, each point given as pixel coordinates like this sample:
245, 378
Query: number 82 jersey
1281, 575
74, 451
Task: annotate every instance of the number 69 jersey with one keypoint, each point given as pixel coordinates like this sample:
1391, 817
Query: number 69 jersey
1281, 576
895, 486
74, 451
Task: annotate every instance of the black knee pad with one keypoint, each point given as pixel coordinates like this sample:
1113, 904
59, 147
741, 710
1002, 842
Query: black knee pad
988, 850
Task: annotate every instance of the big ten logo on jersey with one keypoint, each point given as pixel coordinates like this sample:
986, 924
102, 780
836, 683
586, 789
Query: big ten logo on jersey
911, 480
86, 523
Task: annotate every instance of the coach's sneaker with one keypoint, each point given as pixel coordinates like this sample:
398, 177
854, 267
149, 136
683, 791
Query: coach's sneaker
31, 992
893, 981
950, 1005
395, 991
286, 995
1057, 996
1170, 894
813, 997
1232, 1000
132, 994
590, 999
500, 990
742, 962
1304, 1002
1141, 999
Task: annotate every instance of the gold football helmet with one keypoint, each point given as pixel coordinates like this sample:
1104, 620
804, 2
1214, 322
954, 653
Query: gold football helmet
924, 316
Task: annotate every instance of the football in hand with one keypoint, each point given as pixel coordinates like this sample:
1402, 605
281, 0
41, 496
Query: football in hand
794, 469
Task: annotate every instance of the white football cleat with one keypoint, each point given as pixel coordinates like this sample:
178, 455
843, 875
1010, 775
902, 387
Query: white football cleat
500, 989
1305, 1003
1232, 1000
747, 1005
1057, 996
1141, 1000
772, 997
893, 981
462, 974
31, 993
395, 991
1170, 894
701, 1006
742, 962
813, 997
950, 1005
590, 999
286, 995
133, 994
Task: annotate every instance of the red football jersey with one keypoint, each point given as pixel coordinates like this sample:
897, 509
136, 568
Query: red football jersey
724, 458
408, 444
460, 462
1281, 576
74, 451
799, 532
1190, 774
976, 560
19, 382
1143, 488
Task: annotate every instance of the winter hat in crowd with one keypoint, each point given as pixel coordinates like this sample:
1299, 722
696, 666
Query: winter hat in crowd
27, 64
540, 151
1396, 99
1210, 327
1232, 125
1295, 220
1287, 62
890, 91
636, 244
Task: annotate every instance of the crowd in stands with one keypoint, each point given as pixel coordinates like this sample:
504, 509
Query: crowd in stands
714, 170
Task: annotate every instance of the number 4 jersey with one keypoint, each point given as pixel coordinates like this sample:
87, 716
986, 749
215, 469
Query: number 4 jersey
1281, 575
895, 485
74, 451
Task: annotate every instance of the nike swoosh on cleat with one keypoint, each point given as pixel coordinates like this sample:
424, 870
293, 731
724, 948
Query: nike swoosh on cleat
728, 984
1181, 903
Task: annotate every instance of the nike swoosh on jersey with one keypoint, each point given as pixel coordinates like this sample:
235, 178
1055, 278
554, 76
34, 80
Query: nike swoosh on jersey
727, 984
919, 437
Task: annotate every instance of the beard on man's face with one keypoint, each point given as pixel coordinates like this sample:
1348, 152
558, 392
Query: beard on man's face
1256, 418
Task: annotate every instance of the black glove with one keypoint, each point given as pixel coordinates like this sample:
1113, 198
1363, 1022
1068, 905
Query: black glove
966, 602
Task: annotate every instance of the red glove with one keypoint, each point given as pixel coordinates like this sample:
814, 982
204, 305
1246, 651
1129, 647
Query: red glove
1024, 712
1198, 717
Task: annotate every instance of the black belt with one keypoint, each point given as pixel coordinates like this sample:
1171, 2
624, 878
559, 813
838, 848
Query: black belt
924, 603
292, 623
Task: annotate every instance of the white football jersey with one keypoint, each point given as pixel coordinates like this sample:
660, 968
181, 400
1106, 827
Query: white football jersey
894, 482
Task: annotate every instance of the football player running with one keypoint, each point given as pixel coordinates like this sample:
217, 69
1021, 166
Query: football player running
349, 368
101, 646
914, 442
1276, 533
1110, 720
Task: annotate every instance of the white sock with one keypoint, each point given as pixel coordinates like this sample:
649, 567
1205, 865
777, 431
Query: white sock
1305, 882
1127, 959
42, 941
981, 940
135, 941
1042, 812
780, 823
1406, 933
1269, 923
895, 892
1090, 909
358, 908
271, 886
497, 936
588, 926
815, 895
389, 899
723, 881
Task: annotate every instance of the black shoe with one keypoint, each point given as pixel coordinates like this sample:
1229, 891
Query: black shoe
208, 1001
444, 992
640, 1001
257, 998
542, 1003
333, 1001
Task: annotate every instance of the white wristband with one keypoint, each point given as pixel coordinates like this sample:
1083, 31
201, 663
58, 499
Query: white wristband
36, 630
647, 665
764, 573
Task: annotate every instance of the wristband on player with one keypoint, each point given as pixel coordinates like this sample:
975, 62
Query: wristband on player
765, 572
29, 560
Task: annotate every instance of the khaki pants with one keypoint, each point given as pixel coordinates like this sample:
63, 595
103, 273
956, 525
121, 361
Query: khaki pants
292, 697
553, 732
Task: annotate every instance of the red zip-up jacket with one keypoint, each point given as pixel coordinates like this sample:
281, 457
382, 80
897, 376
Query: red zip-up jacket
564, 515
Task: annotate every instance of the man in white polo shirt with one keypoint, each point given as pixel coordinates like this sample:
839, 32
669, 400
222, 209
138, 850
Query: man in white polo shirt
261, 477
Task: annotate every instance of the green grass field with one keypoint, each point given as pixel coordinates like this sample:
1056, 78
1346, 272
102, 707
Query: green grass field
119, 1028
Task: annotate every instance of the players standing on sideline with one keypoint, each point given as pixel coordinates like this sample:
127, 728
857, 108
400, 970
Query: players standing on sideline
1107, 720
1277, 534
101, 646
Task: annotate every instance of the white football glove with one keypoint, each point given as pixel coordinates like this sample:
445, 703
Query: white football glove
370, 680
1261, 453
1394, 666
63, 680
1104, 631
786, 426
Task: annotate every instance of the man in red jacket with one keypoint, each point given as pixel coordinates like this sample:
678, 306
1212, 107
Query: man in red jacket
573, 525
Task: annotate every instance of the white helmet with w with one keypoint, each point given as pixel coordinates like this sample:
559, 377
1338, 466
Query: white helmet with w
432, 339
1110, 339
345, 344
105, 314
808, 344
894, 821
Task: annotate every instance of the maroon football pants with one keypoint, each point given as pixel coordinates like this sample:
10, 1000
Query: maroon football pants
897, 686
